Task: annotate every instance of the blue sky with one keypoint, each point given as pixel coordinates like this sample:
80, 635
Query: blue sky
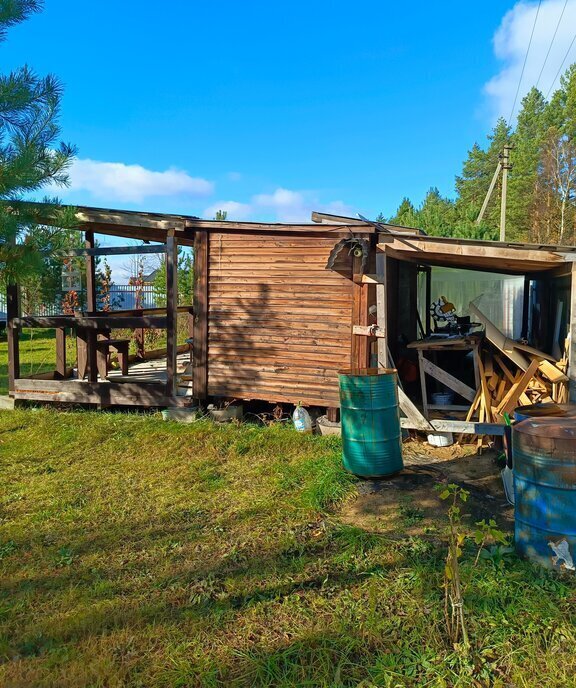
270, 109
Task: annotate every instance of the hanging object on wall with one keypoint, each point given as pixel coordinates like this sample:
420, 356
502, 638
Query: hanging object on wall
359, 248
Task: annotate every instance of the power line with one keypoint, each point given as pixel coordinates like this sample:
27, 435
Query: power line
525, 60
551, 43
561, 66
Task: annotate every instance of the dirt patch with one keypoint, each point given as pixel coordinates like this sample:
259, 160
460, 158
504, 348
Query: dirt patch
408, 503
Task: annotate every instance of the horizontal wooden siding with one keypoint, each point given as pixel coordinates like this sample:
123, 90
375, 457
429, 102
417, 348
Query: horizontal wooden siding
279, 323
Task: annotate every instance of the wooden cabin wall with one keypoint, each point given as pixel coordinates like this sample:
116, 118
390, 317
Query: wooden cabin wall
279, 323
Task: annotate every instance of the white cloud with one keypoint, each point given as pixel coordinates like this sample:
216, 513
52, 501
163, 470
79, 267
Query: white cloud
510, 45
133, 183
282, 205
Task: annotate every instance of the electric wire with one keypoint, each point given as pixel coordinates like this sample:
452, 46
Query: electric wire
525, 60
561, 66
551, 43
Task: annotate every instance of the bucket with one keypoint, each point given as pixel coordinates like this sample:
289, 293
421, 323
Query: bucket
370, 420
442, 398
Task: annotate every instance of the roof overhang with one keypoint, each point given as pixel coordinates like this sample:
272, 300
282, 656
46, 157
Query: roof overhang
490, 256
155, 226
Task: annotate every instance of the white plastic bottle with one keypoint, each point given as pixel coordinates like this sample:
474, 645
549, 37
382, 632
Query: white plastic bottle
301, 419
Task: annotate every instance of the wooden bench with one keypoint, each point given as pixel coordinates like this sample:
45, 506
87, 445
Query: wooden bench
104, 347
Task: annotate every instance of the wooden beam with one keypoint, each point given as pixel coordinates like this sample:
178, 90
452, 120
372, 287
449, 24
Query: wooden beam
200, 311
114, 251
153, 322
149, 394
91, 307
381, 311
459, 426
418, 421
360, 348
61, 370
447, 379
369, 331
13, 333
171, 314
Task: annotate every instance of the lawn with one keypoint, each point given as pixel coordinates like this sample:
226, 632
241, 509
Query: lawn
140, 553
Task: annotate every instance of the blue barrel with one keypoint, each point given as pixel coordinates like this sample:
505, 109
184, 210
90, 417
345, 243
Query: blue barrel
544, 453
370, 418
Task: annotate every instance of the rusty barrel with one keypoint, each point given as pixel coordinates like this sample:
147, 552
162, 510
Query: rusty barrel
544, 456
370, 419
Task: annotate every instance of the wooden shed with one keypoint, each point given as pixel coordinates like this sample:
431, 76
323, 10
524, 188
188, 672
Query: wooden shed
276, 311
269, 321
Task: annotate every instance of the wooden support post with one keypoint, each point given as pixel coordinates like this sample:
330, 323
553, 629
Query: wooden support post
428, 300
91, 307
381, 310
421, 360
171, 314
200, 311
525, 308
13, 333
360, 344
572, 336
332, 414
60, 371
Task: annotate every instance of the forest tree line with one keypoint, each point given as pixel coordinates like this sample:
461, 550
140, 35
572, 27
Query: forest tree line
541, 198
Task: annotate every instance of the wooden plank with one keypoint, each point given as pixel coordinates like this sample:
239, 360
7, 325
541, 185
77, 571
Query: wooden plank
500, 341
459, 426
61, 369
447, 379
157, 322
552, 372
412, 412
171, 314
421, 365
381, 313
486, 400
368, 331
101, 393
511, 399
13, 333
200, 308
359, 349
114, 250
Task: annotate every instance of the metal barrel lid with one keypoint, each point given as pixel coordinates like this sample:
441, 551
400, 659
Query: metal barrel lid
557, 427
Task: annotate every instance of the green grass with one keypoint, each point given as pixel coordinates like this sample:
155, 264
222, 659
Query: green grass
140, 553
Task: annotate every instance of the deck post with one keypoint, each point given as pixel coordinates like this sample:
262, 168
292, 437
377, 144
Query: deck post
60, 371
200, 312
171, 314
13, 334
91, 337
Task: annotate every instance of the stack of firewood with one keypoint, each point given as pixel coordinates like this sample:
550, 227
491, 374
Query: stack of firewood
506, 384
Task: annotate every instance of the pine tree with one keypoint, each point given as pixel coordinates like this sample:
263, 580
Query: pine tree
406, 215
30, 157
437, 215
527, 142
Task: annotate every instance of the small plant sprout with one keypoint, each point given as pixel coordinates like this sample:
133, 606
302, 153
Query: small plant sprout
454, 586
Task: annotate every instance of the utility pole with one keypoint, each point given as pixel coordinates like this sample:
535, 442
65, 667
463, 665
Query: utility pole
505, 164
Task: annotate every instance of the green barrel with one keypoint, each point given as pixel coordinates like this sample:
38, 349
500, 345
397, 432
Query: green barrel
371, 435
